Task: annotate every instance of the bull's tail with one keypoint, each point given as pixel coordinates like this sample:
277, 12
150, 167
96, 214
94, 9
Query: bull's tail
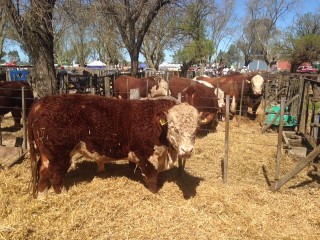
34, 161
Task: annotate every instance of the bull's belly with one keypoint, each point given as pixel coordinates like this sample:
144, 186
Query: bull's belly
161, 159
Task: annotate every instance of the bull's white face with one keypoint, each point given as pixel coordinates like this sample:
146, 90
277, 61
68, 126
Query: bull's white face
182, 125
257, 84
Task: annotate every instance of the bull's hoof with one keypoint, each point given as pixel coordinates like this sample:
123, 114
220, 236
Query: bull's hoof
41, 195
57, 189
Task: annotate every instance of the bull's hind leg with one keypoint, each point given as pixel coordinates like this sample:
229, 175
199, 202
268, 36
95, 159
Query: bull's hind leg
44, 174
59, 169
150, 175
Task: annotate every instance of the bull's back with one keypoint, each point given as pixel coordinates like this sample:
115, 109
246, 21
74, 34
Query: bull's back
231, 84
123, 84
107, 126
65, 120
202, 97
178, 84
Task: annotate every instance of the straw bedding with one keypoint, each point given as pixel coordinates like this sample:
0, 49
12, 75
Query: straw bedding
193, 205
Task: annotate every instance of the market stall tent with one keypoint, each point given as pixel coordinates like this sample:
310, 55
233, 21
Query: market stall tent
96, 64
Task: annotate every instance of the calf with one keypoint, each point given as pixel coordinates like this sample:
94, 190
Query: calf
64, 125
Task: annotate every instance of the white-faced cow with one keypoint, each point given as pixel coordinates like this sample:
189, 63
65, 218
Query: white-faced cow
61, 126
232, 85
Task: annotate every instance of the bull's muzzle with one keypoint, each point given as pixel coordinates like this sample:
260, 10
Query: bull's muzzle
185, 151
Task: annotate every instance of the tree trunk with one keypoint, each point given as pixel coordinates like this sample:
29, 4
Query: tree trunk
247, 61
35, 29
134, 55
3, 20
43, 75
184, 70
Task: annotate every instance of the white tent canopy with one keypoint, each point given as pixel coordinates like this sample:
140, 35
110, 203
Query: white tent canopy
169, 66
96, 64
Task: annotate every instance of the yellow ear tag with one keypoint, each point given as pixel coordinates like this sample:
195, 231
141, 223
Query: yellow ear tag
204, 120
162, 122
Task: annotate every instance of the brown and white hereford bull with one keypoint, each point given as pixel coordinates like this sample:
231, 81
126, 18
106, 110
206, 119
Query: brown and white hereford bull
205, 101
123, 84
11, 99
232, 85
60, 126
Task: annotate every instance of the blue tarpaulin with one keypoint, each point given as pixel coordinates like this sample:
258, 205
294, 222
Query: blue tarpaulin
19, 75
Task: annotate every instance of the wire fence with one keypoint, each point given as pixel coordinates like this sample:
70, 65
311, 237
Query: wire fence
294, 95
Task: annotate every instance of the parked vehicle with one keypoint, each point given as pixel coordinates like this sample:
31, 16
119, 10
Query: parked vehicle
307, 69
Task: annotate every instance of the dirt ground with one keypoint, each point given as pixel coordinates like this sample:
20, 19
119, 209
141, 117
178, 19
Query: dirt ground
193, 205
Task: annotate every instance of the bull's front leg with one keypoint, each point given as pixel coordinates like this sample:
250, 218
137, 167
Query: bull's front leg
150, 175
233, 105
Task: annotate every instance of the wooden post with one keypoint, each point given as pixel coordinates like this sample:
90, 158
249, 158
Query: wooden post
24, 120
168, 90
92, 90
226, 144
278, 113
279, 147
241, 99
0, 132
304, 106
297, 168
107, 86
264, 102
274, 97
147, 92
66, 82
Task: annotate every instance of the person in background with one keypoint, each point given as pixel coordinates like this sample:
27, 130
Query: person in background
244, 69
60, 76
225, 70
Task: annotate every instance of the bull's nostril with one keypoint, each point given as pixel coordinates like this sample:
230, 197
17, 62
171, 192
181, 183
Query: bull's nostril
187, 150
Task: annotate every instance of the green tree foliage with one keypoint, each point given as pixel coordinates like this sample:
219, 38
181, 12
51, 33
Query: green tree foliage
306, 49
301, 40
194, 51
195, 47
231, 57
13, 56
2, 55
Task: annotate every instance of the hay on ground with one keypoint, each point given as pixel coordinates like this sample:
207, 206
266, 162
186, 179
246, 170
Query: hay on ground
193, 205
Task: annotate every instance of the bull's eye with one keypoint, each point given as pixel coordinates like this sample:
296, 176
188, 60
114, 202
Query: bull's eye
176, 130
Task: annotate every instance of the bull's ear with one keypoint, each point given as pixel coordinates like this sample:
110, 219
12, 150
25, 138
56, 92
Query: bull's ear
161, 119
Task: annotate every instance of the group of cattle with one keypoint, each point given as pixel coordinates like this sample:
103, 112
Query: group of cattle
204, 93
153, 133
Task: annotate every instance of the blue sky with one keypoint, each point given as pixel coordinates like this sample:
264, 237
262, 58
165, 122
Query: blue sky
302, 7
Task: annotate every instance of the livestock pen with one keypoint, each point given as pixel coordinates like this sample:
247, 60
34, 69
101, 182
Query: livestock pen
300, 96
15, 100
194, 204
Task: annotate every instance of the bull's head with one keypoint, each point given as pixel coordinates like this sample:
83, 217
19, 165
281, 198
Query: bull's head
182, 126
257, 84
